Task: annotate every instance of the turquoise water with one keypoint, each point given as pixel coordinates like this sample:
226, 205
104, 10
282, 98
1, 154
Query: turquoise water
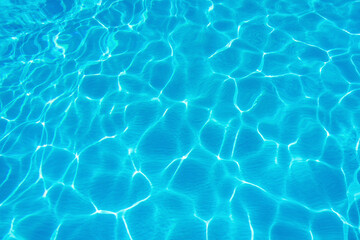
181, 119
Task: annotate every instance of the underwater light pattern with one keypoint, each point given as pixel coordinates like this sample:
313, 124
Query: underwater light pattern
179, 119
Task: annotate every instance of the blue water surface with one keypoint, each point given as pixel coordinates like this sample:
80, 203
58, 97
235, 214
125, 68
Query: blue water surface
179, 119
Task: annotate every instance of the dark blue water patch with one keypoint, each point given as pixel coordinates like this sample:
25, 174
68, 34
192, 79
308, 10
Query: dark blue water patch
249, 62
350, 100
313, 54
6, 224
95, 225
353, 213
70, 201
291, 120
155, 51
340, 38
68, 4
347, 68
249, 89
175, 204
295, 214
118, 188
27, 139
273, 181
307, 191
353, 234
159, 143
196, 16
328, 100
5, 171
176, 89
43, 224
333, 153
134, 118
260, 163
267, 105
160, 8
311, 21
188, 38
52, 8
225, 109
69, 67
6, 49
97, 86
161, 74
334, 180
327, 225
139, 220
197, 116
312, 86
189, 228
269, 131
248, 142
255, 34
289, 231
199, 178
92, 69
206, 203
221, 11
275, 63
225, 187
212, 136
340, 119
6, 96
276, 40
283, 156
10, 185
332, 11
288, 88
312, 140
226, 61
55, 166
261, 207
186, 139
220, 227
127, 41
3, 126
224, 25
211, 41
111, 17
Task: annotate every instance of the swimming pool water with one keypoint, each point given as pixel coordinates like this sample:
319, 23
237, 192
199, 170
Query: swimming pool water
179, 119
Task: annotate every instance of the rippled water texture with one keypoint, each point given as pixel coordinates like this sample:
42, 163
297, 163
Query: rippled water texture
181, 119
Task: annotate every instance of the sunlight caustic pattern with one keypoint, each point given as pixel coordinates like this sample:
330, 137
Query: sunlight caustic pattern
181, 119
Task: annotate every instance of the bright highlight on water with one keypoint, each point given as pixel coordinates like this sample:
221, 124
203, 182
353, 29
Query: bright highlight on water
179, 119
